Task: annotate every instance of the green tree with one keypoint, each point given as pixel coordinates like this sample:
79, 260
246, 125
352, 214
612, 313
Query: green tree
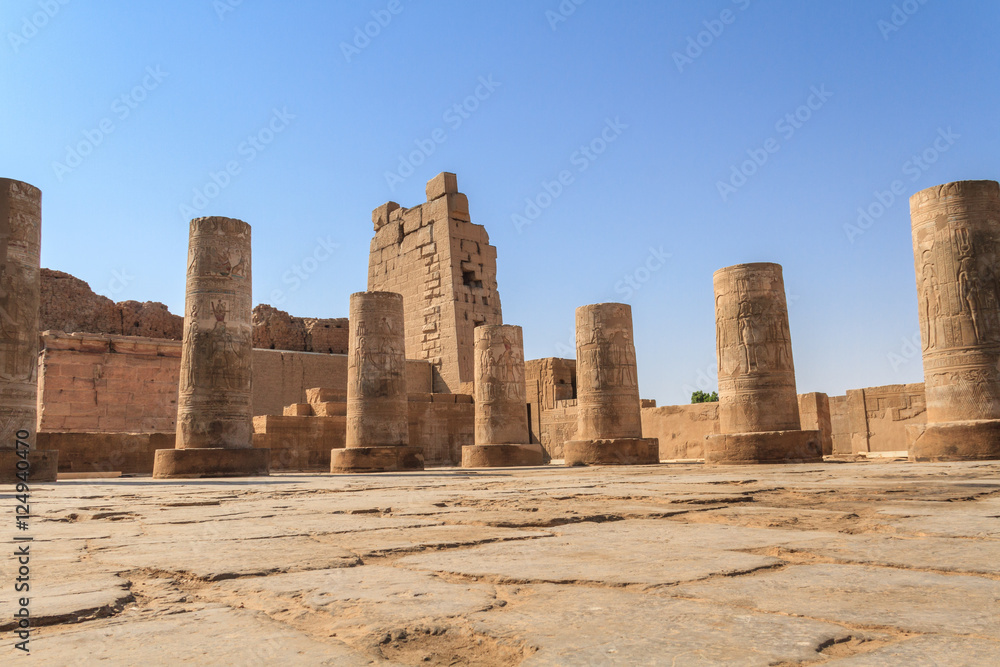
704, 397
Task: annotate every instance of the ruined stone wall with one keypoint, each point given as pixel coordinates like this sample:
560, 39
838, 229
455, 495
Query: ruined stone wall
91, 382
681, 429
814, 415
445, 268
873, 420
69, 305
275, 329
550, 381
840, 429
94, 382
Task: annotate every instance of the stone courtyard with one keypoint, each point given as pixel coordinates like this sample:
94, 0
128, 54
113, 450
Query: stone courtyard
877, 563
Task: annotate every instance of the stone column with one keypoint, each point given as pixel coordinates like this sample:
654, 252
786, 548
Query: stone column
609, 427
214, 405
377, 419
501, 407
956, 248
758, 406
20, 289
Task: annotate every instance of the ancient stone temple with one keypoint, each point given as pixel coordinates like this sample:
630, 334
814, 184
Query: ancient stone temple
609, 426
214, 406
758, 406
446, 270
20, 268
377, 423
501, 409
956, 248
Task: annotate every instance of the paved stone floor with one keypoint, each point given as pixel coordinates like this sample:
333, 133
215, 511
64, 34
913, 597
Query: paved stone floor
834, 564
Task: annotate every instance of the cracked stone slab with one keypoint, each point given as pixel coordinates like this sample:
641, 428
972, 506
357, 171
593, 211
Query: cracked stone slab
870, 596
213, 560
927, 651
924, 553
618, 553
217, 636
386, 541
71, 596
287, 525
595, 626
369, 598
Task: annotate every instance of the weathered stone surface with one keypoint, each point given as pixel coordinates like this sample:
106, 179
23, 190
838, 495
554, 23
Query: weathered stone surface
619, 553
581, 632
451, 566
871, 596
927, 651
758, 407
956, 245
166, 640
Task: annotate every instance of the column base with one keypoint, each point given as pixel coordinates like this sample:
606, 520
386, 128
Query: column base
210, 462
977, 440
376, 459
764, 447
44, 466
612, 452
502, 456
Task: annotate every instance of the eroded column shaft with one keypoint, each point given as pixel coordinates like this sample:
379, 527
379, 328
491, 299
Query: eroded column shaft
754, 350
501, 415
214, 406
376, 372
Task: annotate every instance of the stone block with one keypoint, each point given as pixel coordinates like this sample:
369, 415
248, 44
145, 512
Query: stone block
442, 184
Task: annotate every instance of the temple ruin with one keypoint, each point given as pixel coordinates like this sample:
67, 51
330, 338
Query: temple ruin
437, 379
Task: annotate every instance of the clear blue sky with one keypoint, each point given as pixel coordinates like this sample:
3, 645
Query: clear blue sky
198, 80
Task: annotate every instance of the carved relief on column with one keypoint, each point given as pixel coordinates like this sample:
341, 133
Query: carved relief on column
956, 239
956, 247
608, 389
20, 295
609, 427
501, 415
215, 405
756, 372
376, 372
